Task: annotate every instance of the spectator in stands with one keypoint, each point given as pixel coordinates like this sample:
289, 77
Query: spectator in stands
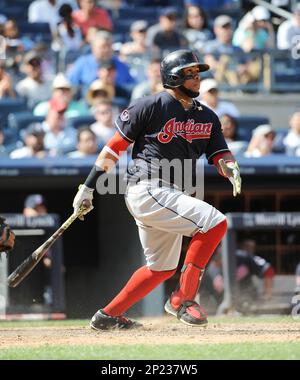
86, 144
165, 36
227, 61
33, 143
99, 91
137, 46
90, 15
14, 42
33, 87
107, 74
230, 132
152, 84
288, 34
68, 36
62, 89
59, 139
47, 11
292, 139
6, 83
248, 264
85, 69
35, 205
261, 143
255, 31
209, 96
104, 127
195, 26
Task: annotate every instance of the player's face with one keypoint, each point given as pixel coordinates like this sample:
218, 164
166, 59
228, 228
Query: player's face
193, 78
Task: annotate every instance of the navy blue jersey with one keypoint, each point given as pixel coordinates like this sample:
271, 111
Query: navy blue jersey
161, 128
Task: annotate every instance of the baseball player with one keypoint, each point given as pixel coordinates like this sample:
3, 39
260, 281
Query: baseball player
7, 237
166, 126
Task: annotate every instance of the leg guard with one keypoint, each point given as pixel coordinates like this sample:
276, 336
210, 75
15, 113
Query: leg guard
189, 283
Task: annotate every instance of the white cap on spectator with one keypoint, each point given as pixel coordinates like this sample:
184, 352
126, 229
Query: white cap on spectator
222, 20
262, 130
260, 13
207, 85
139, 26
61, 81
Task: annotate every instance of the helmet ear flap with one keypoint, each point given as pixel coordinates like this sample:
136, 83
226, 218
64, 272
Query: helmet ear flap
174, 79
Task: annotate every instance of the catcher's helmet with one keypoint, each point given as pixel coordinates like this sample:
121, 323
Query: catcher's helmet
171, 68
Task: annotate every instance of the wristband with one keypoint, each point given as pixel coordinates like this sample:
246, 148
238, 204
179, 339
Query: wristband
92, 178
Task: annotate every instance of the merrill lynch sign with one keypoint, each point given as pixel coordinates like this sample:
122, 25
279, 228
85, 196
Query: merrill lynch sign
272, 219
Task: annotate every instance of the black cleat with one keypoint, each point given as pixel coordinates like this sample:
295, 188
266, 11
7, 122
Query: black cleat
103, 321
189, 313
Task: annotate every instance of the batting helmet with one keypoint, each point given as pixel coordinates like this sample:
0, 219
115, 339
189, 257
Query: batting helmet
171, 68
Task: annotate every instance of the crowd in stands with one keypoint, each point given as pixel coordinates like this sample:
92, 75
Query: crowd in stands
71, 66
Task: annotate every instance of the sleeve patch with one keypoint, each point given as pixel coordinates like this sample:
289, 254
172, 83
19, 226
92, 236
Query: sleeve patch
125, 115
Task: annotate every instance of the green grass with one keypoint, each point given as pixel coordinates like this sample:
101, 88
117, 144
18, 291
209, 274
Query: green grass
246, 351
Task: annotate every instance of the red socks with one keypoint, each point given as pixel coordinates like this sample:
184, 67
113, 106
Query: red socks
201, 247
142, 282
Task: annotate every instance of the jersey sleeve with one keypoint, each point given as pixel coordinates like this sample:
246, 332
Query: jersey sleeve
132, 120
217, 143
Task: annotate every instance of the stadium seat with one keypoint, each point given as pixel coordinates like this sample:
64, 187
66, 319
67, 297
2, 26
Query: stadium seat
11, 142
21, 120
9, 105
278, 146
247, 123
15, 12
139, 13
81, 121
38, 31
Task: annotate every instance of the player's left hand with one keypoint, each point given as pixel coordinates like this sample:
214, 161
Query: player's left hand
231, 170
7, 237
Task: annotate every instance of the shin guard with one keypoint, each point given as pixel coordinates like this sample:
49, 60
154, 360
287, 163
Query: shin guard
189, 283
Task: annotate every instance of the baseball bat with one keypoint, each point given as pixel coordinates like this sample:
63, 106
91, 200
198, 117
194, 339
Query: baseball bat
32, 260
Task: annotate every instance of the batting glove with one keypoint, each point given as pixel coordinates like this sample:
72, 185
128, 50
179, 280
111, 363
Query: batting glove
231, 170
84, 194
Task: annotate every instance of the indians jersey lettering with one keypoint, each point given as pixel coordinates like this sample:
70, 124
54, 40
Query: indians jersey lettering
188, 130
162, 129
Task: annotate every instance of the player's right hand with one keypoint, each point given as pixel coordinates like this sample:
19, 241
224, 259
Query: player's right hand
84, 195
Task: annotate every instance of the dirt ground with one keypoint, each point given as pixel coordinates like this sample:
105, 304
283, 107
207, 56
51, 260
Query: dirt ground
154, 331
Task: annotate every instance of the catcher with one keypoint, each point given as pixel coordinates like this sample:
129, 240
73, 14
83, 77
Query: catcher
7, 237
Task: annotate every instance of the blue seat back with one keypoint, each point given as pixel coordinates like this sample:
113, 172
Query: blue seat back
81, 121
21, 120
9, 105
247, 123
